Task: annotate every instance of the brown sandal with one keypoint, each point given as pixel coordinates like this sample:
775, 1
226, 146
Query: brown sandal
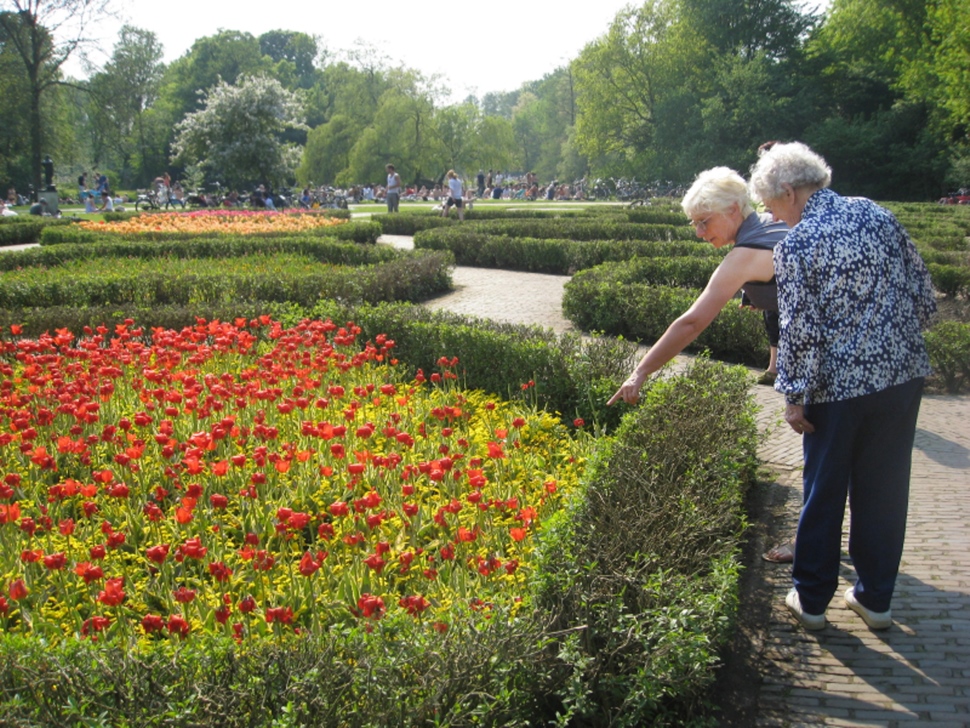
783, 554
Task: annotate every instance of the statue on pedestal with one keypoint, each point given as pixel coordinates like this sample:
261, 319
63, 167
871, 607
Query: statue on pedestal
48, 165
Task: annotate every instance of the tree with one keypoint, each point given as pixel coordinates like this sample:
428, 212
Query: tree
939, 74
401, 132
299, 50
228, 56
14, 112
951, 59
748, 28
494, 146
44, 34
455, 128
121, 94
237, 136
648, 62
880, 95
327, 151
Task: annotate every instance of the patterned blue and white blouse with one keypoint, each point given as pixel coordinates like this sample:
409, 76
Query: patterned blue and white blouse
853, 299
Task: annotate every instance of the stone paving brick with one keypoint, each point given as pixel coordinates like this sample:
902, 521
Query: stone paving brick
845, 675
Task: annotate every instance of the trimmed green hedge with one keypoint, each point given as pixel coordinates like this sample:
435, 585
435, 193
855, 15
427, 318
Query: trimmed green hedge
280, 279
323, 250
611, 299
572, 227
23, 229
934, 227
950, 280
639, 577
593, 228
358, 231
410, 223
564, 257
657, 216
948, 344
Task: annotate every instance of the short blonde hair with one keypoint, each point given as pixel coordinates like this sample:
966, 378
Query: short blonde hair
791, 164
716, 190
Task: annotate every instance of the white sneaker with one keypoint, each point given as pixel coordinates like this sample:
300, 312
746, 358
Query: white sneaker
875, 620
811, 622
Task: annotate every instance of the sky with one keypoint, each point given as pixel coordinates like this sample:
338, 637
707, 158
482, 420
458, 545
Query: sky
478, 46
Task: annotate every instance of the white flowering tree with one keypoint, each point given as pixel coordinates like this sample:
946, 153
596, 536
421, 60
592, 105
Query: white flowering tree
238, 137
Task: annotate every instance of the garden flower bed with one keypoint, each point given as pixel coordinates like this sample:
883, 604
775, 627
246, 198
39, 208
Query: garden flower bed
205, 222
251, 480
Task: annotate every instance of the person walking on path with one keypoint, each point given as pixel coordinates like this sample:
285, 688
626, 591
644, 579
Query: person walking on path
854, 296
456, 195
393, 189
721, 212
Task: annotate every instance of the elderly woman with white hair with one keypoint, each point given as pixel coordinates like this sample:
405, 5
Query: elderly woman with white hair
854, 296
721, 212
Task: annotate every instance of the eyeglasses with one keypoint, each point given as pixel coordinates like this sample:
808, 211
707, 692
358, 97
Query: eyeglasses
701, 225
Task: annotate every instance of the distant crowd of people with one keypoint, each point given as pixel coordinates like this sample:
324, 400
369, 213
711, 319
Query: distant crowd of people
95, 194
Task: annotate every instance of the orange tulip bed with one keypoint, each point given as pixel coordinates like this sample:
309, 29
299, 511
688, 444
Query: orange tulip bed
206, 222
251, 480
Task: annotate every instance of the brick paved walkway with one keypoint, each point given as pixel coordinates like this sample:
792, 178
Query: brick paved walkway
846, 675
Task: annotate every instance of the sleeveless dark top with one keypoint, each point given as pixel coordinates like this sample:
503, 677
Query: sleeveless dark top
759, 232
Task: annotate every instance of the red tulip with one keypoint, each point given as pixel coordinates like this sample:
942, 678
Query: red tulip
55, 561
178, 626
152, 623
113, 593
308, 566
17, 590
157, 554
89, 572
371, 606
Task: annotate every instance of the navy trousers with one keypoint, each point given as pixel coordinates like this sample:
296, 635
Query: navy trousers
861, 448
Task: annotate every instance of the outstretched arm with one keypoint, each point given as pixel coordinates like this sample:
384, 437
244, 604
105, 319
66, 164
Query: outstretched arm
738, 267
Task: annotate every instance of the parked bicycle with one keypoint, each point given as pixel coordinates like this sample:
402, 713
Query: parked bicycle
157, 200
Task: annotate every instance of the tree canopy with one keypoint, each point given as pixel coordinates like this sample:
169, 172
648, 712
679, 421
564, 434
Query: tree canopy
237, 136
42, 35
880, 87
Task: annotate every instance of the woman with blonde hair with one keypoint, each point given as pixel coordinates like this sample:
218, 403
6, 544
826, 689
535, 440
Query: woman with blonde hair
721, 212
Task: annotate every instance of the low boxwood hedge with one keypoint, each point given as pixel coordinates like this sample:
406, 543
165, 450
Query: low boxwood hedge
604, 299
948, 344
950, 280
639, 576
322, 250
581, 228
279, 279
24, 229
656, 216
472, 247
934, 227
410, 223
